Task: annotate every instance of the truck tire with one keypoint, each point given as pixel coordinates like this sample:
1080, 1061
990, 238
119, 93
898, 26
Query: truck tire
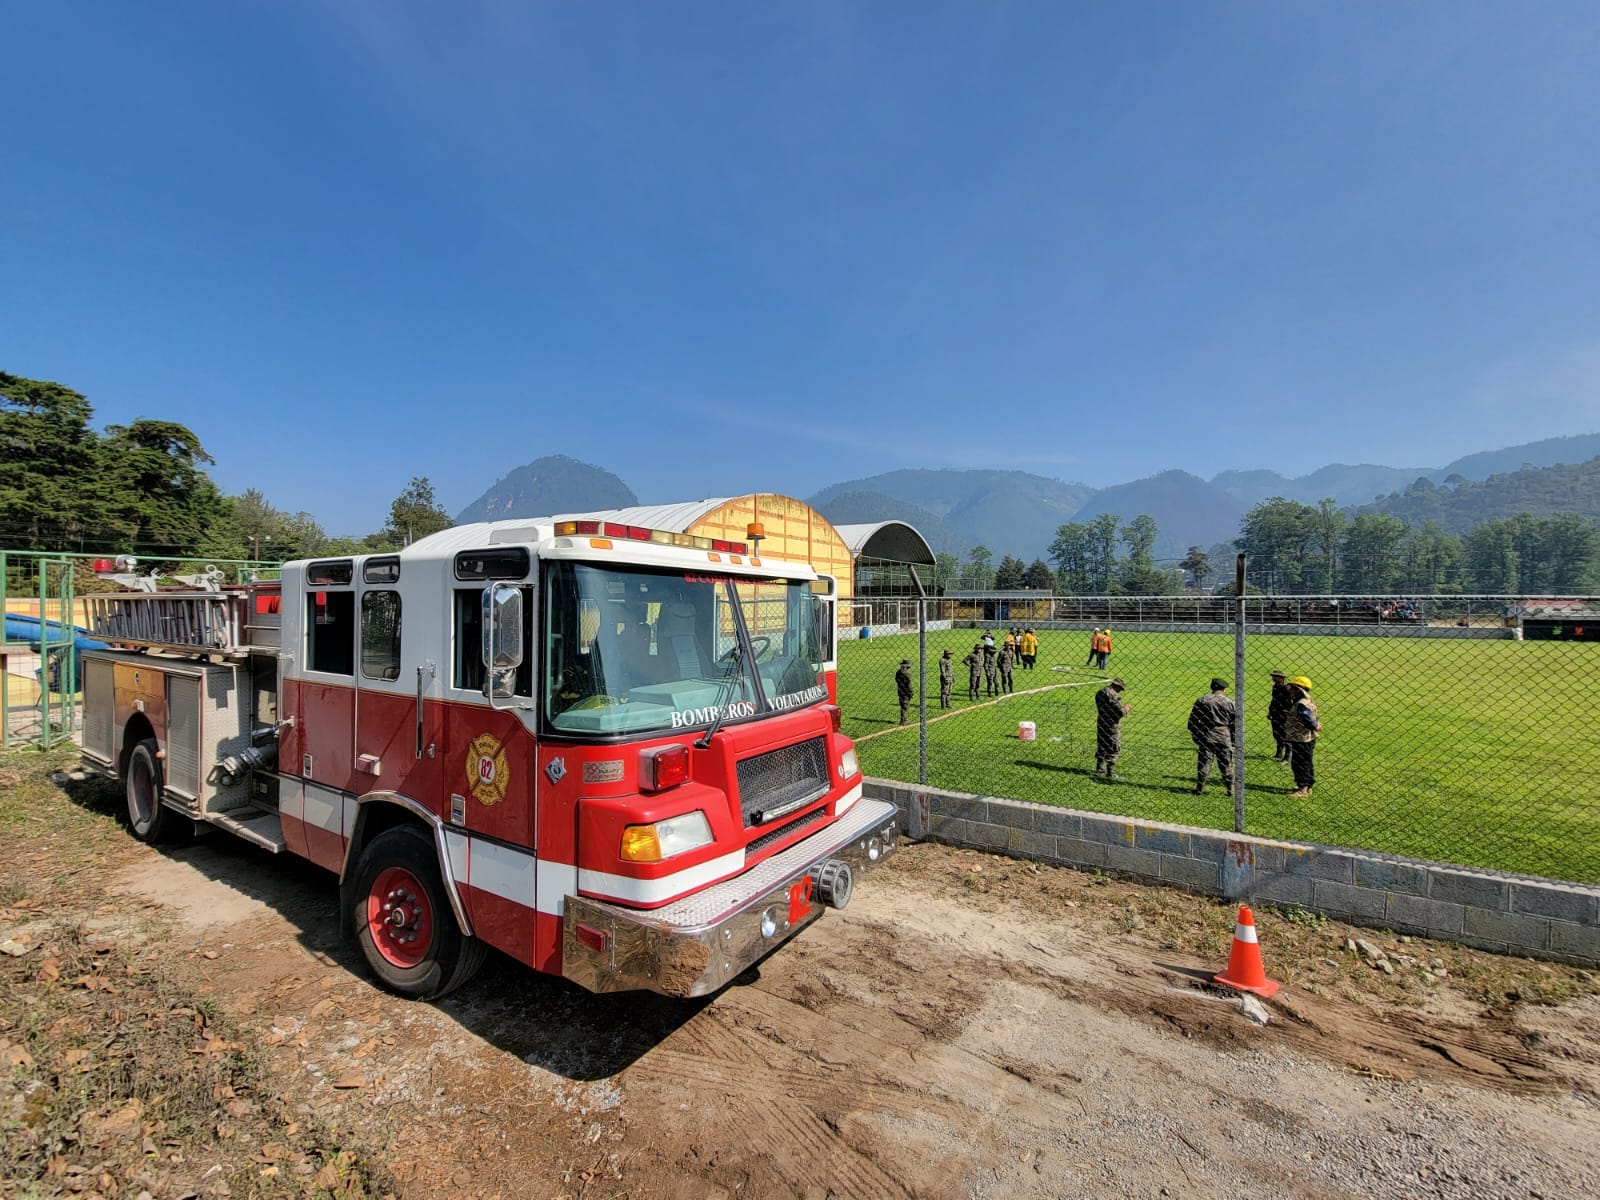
403, 921
142, 784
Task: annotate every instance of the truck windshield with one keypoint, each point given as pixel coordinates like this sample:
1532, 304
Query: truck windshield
633, 650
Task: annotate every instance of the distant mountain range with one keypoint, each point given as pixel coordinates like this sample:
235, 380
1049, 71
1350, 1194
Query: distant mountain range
1016, 513
1010, 512
868, 508
1188, 511
548, 486
1362, 484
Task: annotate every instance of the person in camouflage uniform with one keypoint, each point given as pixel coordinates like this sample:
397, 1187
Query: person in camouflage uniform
1109, 709
991, 667
1005, 663
903, 688
947, 678
1277, 713
1211, 727
974, 663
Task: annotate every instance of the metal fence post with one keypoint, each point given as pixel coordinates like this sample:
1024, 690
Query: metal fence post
922, 692
1238, 693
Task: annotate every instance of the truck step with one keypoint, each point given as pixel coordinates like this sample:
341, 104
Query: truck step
263, 829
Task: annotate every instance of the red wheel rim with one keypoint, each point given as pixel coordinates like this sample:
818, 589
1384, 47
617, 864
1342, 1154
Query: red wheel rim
400, 917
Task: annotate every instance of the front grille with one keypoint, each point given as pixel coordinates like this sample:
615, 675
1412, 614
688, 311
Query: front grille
781, 781
766, 839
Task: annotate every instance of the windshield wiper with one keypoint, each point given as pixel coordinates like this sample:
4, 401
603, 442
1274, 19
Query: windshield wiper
724, 698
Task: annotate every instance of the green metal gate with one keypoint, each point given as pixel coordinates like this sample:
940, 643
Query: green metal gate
39, 702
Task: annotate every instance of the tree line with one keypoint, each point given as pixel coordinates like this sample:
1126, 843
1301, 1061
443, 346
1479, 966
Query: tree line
1302, 549
1086, 562
142, 489
1295, 549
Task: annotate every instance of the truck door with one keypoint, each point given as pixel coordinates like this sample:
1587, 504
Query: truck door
326, 704
397, 731
490, 763
488, 772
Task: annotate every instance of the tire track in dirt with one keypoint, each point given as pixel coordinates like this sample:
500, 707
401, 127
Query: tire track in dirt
1492, 1051
922, 1045
892, 1111
799, 1109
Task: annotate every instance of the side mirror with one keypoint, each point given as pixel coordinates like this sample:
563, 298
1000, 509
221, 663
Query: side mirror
821, 630
502, 640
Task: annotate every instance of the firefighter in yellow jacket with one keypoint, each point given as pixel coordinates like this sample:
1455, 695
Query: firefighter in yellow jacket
1300, 729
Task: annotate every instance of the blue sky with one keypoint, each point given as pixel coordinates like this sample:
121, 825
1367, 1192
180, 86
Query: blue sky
719, 248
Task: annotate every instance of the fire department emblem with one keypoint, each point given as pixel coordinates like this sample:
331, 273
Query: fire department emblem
487, 773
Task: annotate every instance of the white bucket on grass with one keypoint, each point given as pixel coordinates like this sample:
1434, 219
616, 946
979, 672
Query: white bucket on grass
1026, 731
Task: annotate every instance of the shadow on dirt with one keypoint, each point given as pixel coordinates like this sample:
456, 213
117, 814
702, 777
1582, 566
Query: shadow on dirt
546, 1022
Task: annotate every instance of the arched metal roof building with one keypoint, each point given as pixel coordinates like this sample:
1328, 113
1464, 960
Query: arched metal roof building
877, 559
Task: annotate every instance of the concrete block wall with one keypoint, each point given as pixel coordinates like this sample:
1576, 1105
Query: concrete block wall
1510, 914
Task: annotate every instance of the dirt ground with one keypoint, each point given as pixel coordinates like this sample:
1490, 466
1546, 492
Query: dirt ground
969, 1027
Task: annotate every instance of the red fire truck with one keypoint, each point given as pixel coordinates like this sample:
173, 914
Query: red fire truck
604, 749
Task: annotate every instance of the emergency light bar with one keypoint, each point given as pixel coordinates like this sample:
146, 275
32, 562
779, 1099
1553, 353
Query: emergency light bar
637, 533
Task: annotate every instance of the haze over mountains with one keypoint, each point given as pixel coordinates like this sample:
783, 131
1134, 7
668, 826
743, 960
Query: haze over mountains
1017, 513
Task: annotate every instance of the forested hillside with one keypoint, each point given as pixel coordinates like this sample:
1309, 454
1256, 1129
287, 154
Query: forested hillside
1464, 504
1549, 452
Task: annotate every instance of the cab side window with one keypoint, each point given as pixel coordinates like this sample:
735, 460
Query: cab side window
331, 632
380, 635
467, 642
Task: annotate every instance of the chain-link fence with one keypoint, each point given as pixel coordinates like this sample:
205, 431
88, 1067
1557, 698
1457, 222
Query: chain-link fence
1458, 729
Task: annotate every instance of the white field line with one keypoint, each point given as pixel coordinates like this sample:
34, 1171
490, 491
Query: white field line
976, 705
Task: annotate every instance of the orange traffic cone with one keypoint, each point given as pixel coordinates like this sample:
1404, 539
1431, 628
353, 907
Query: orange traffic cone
1245, 971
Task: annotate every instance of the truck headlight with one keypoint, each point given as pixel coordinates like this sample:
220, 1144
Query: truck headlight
849, 768
675, 835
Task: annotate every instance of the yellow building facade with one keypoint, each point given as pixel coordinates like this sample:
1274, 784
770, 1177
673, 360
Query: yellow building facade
794, 530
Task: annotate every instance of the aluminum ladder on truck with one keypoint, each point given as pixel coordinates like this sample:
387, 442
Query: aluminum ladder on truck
204, 622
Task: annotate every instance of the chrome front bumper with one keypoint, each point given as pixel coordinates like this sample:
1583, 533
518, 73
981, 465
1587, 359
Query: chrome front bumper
697, 945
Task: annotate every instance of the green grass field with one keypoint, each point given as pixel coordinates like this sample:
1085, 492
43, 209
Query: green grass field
1481, 753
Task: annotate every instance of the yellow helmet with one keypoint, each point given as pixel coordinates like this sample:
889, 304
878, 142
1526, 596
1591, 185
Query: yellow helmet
1300, 681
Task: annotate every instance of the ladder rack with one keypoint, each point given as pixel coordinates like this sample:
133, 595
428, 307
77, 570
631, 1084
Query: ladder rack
232, 622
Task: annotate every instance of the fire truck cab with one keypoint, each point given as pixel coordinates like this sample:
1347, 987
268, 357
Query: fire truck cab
603, 749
